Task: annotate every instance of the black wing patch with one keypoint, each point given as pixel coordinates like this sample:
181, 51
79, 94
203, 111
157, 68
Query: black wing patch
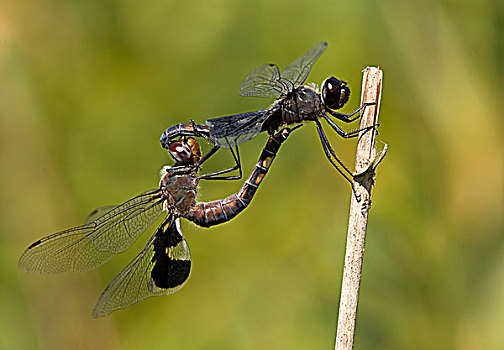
161, 268
86, 247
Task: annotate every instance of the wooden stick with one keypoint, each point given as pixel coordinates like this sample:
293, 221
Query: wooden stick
365, 164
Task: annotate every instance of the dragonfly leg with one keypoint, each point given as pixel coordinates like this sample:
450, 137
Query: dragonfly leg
214, 149
347, 118
347, 135
214, 176
330, 152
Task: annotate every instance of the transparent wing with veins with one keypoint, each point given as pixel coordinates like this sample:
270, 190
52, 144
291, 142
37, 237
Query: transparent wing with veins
263, 81
232, 130
298, 71
267, 81
86, 247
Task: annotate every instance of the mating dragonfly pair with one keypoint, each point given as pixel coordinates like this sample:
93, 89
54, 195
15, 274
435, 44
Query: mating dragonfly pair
164, 265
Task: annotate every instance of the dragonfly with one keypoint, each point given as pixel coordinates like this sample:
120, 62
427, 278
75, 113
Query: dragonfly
164, 264
295, 103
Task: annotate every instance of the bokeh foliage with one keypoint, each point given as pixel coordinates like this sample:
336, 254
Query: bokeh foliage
87, 87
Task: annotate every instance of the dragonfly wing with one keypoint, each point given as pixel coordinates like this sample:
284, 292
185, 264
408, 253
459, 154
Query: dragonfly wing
233, 130
98, 212
86, 247
263, 81
298, 71
161, 268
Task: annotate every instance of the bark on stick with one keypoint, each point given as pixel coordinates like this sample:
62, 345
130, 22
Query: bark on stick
366, 160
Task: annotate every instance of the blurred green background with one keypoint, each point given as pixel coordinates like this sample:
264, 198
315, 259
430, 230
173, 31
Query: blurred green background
87, 87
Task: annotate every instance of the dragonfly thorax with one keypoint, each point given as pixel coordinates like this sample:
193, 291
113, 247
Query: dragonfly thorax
179, 191
303, 104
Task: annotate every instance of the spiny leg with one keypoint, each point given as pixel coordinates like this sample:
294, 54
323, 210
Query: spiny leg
328, 148
214, 149
347, 135
347, 118
213, 176
329, 151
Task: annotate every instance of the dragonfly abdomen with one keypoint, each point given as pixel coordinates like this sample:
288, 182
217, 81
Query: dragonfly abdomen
184, 129
216, 212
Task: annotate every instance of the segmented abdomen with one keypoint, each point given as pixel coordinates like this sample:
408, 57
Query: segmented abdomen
216, 212
183, 129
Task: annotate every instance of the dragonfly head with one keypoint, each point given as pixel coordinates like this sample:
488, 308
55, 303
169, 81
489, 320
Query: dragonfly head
185, 151
335, 93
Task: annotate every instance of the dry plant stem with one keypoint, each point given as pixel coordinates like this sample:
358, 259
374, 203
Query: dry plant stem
366, 161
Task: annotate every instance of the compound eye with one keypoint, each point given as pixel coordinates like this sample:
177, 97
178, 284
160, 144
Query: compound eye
181, 152
335, 93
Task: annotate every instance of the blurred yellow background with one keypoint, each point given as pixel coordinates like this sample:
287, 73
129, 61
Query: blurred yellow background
87, 87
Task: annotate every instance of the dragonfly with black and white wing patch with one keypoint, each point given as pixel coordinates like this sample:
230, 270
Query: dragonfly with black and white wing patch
164, 265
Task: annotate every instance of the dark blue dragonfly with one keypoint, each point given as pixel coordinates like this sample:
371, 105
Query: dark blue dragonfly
295, 103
